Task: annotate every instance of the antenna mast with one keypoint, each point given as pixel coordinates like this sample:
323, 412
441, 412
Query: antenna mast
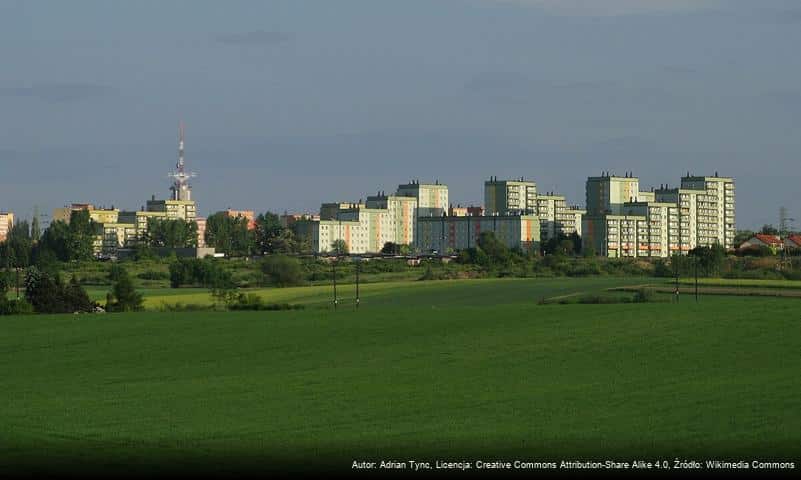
181, 190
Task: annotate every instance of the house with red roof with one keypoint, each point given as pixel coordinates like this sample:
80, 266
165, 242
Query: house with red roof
774, 242
792, 241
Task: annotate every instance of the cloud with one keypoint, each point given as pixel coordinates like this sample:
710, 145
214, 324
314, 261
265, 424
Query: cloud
57, 92
258, 37
613, 7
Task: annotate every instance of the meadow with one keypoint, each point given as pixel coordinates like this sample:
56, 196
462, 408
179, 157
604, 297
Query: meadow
473, 369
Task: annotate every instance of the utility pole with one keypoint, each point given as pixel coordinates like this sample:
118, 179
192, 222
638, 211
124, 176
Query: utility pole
358, 269
696, 279
334, 268
676, 272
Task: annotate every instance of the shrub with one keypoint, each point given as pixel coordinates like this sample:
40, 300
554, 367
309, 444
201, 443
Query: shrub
48, 294
124, 297
428, 275
153, 275
204, 272
282, 271
14, 306
644, 295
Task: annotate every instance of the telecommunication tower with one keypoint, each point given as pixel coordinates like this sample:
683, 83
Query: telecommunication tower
181, 189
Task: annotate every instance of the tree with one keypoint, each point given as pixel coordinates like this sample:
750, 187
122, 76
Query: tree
339, 246
171, 233
48, 294
282, 271
56, 239
710, 259
284, 242
390, 248
124, 297
496, 250
268, 229
36, 230
82, 233
229, 235
769, 229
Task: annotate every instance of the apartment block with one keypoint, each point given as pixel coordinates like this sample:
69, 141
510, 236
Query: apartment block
556, 217
400, 216
510, 197
175, 209
321, 234
448, 234
663, 222
6, 224
98, 215
432, 199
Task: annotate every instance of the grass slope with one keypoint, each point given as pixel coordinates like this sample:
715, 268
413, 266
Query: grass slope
407, 379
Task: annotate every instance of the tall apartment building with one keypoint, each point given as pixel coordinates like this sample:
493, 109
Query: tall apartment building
400, 216
556, 217
432, 198
510, 196
447, 234
6, 224
607, 193
674, 220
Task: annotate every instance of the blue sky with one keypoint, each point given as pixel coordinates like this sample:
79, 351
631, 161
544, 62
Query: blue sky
292, 103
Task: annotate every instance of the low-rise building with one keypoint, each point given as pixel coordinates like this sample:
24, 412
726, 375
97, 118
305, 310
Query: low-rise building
98, 215
792, 241
447, 234
774, 242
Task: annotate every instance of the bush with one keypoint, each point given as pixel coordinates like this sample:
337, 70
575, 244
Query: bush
282, 271
204, 272
644, 295
153, 275
48, 294
428, 275
14, 306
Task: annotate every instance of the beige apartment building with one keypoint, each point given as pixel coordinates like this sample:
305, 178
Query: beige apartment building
6, 224
432, 198
510, 196
674, 220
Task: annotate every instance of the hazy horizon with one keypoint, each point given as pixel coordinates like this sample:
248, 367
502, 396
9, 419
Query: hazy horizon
288, 104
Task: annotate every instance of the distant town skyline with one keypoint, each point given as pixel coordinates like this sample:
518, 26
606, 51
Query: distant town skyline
291, 104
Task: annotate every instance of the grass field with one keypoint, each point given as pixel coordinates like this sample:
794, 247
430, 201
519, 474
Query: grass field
454, 370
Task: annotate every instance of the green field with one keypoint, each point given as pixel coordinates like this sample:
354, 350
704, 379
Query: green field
448, 370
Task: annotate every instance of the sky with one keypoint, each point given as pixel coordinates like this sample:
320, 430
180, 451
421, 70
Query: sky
288, 104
